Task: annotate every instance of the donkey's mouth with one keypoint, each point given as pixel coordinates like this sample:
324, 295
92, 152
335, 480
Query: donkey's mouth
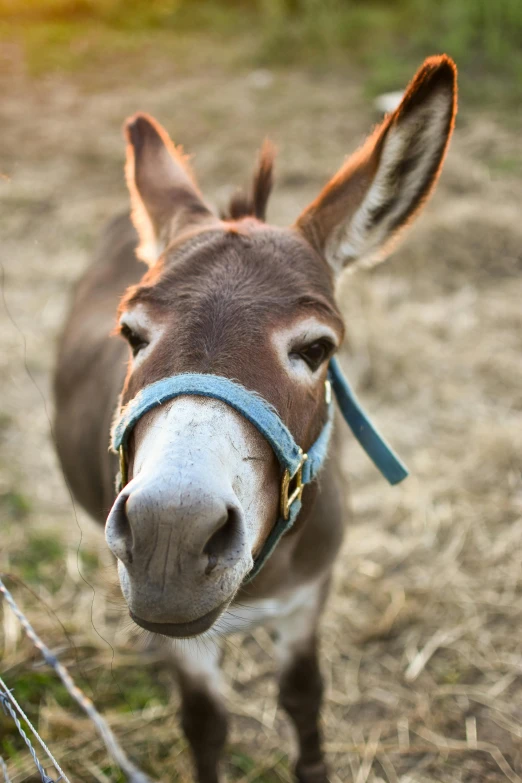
182, 630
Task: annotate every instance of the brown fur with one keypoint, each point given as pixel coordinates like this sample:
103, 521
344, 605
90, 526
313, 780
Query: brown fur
254, 203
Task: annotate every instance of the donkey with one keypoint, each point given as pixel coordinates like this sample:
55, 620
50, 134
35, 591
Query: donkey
234, 303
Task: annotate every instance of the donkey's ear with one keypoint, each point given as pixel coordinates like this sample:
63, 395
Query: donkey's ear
164, 196
383, 185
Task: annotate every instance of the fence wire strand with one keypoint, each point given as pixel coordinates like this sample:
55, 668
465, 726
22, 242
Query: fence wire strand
3, 767
5, 698
114, 749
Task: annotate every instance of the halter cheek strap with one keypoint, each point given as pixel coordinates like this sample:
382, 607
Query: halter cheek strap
298, 468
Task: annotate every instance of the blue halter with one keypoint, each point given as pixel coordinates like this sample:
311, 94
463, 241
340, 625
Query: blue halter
299, 469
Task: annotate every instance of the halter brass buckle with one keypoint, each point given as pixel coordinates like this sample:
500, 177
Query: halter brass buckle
290, 495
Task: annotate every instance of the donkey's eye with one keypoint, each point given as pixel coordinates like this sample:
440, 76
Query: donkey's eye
135, 340
314, 354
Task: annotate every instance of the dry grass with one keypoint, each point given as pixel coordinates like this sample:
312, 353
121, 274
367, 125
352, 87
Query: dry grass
421, 640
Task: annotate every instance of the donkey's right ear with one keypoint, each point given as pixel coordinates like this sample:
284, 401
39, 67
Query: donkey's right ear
380, 188
164, 196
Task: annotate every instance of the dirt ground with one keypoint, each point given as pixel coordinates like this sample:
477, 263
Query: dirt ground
422, 645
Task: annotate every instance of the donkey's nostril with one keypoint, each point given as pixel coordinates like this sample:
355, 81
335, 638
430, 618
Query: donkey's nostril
118, 531
223, 544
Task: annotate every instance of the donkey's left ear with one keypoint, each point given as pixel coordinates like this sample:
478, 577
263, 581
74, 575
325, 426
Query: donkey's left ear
383, 185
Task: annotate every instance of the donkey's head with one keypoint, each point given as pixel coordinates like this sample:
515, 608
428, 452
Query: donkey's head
237, 298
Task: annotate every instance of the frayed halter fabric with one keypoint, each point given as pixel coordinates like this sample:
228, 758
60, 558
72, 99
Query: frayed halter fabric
298, 468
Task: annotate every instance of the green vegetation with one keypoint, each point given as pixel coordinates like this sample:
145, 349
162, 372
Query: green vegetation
133, 688
31, 685
384, 37
32, 688
42, 559
14, 505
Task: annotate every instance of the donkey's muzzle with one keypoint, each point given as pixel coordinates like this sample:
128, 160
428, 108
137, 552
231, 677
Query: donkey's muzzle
182, 552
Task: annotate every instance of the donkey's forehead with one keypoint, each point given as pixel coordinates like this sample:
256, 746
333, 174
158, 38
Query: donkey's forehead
245, 263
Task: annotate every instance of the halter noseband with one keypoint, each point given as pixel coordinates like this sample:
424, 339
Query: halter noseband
299, 468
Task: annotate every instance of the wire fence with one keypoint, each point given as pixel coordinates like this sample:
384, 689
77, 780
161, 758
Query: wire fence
13, 709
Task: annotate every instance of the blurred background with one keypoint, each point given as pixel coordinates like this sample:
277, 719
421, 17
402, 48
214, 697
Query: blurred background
422, 646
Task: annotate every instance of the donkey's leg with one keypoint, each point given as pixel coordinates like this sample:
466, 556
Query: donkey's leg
301, 685
203, 714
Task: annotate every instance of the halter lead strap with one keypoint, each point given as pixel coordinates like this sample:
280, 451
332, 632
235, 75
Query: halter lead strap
299, 469
380, 452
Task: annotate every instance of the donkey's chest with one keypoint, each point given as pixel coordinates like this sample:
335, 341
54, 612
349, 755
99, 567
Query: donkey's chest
267, 611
